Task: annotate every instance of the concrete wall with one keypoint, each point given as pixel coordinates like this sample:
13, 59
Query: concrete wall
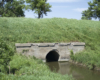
40, 50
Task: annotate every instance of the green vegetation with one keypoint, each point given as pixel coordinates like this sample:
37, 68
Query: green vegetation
16, 8
93, 10
27, 68
24, 30
6, 54
89, 58
12, 8
39, 6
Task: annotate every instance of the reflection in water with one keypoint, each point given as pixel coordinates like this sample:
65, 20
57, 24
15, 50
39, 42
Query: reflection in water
54, 66
78, 72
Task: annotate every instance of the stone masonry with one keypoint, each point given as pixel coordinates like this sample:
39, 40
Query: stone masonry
40, 50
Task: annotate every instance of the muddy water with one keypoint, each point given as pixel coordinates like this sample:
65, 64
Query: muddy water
78, 72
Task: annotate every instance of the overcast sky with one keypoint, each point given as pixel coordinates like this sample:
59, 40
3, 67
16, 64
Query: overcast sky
70, 9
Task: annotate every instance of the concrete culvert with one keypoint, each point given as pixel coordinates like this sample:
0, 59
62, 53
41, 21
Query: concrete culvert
52, 56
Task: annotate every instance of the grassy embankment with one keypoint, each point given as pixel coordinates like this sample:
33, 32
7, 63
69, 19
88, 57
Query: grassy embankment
22, 30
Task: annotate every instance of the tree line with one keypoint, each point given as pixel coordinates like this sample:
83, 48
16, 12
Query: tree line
16, 8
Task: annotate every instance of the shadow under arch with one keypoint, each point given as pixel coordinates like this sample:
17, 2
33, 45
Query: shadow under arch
52, 56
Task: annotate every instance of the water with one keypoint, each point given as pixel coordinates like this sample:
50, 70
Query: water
78, 72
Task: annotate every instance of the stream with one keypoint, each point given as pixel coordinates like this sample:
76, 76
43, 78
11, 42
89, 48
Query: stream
78, 72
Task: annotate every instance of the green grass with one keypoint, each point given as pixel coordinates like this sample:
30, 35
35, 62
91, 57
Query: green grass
24, 30
27, 30
27, 68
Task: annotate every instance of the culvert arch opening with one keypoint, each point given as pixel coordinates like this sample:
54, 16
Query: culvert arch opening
52, 56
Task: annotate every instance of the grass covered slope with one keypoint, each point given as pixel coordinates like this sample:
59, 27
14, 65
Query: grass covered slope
27, 30
48, 30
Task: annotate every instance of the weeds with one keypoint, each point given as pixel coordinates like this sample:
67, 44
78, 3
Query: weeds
28, 68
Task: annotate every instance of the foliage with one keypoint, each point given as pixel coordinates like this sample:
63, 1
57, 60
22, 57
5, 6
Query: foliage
40, 6
90, 59
5, 55
71, 55
87, 15
12, 8
27, 68
93, 10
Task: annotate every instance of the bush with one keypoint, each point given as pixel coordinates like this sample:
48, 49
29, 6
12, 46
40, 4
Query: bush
5, 56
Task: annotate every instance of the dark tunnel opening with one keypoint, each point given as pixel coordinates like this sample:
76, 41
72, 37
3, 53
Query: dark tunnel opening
52, 56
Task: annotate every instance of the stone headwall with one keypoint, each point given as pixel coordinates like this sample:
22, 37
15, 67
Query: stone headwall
40, 50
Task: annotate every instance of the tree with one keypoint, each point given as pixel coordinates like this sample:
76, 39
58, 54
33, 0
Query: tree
93, 10
39, 6
12, 8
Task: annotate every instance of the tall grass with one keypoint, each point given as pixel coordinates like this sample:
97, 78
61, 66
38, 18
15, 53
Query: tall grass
48, 30
27, 68
89, 58
27, 30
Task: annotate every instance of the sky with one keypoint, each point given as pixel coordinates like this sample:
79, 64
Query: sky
70, 9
